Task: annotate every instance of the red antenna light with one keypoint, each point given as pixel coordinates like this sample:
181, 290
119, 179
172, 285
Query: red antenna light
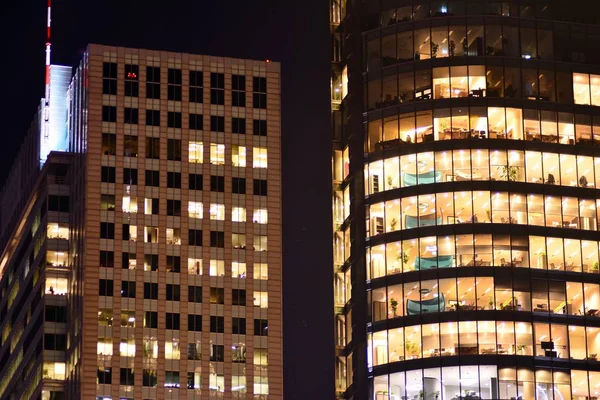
46, 125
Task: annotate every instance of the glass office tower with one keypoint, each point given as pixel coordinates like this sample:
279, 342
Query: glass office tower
466, 173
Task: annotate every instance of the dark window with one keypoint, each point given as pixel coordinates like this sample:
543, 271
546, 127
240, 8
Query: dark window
107, 230
259, 97
217, 86
217, 183
109, 70
238, 297
127, 377
195, 323
58, 203
174, 149
107, 202
128, 289
196, 122
152, 178
174, 119
195, 237
260, 187
174, 180
152, 147
130, 148
105, 287
238, 185
217, 124
151, 318
238, 95
195, 294
149, 378
217, 324
151, 261
173, 292
109, 75
153, 117
259, 85
108, 174
261, 327
109, 144
109, 114
196, 87
132, 76
238, 326
150, 290
126, 258
174, 264
259, 127
172, 379
107, 259
104, 375
173, 321
131, 115
217, 353
56, 314
195, 182
174, 84
126, 232
130, 176
238, 125
174, 208
217, 295
217, 239
153, 82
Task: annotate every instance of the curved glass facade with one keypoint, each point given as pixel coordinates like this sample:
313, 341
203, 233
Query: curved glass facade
466, 170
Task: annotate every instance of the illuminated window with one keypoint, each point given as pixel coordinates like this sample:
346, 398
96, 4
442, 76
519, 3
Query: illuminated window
172, 351
238, 155
55, 370
195, 152
127, 318
105, 346
150, 348
174, 236
260, 216
217, 154
259, 157
238, 240
261, 299
217, 212
195, 209
238, 269
127, 348
150, 206
57, 231
217, 268
581, 88
238, 214
56, 258
195, 266
129, 204
261, 271
150, 234
261, 385
260, 243
56, 286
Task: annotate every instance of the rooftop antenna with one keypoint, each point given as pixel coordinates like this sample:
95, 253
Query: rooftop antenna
47, 83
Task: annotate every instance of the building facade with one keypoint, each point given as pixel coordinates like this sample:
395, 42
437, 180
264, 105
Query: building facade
151, 268
466, 173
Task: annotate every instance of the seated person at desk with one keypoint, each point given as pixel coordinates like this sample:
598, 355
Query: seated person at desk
583, 182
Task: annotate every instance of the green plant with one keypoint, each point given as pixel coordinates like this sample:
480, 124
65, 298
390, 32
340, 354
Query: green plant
437, 395
46, 373
434, 49
508, 173
488, 213
421, 394
411, 348
394, 305
595, 266
521, 348
393, 223
452, 48
593, 356
491, 303
403, 257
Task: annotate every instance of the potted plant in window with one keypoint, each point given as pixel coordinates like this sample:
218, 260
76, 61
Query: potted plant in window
394, 306
393, 223
402, 258
452, 48
595, 266
434, 49
521, 349
593, 357
491, 303
411, 348
509, 173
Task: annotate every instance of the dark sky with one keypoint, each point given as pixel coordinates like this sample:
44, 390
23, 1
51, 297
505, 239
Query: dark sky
293, 32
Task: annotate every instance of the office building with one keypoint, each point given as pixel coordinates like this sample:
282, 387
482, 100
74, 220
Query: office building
466, 174
145, 261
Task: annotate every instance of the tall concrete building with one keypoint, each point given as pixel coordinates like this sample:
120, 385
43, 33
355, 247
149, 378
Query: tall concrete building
145, 261
466, 182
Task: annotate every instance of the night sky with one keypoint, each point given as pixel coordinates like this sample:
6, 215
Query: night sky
292, 32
